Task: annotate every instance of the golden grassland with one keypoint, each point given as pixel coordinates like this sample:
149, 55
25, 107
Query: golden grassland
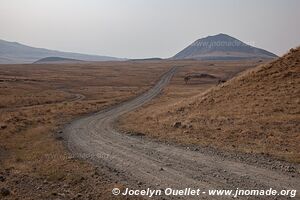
256, 112
36, 101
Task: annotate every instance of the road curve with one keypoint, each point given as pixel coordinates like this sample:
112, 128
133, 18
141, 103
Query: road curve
144, 163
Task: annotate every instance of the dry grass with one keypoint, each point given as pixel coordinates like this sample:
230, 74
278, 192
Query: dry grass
257, 112
37, 100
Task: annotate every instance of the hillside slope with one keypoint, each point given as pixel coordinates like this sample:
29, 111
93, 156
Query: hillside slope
256, 112
222, 47
15, 53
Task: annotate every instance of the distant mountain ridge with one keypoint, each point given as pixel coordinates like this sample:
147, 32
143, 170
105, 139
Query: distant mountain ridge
16, 53
146, 59
222, 47
56, 60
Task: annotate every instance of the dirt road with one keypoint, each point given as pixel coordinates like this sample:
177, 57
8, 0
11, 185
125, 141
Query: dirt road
141, 163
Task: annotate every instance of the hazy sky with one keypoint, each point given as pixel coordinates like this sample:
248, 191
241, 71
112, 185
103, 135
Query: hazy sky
147, 28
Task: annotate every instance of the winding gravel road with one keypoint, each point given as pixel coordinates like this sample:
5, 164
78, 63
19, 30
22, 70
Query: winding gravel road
141, 163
